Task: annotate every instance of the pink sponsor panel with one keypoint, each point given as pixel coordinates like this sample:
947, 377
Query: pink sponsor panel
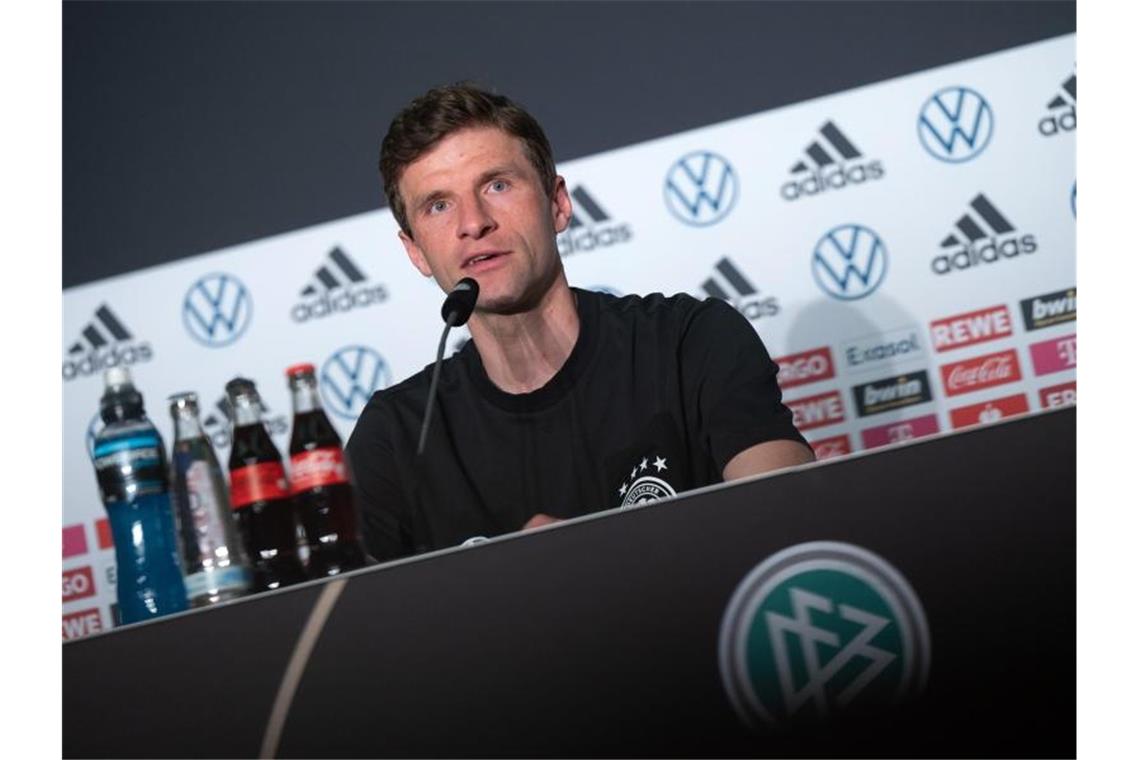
897, 432
1056, 355
74, 541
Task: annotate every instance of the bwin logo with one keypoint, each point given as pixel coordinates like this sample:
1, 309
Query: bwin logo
105, 342
1062, 110
217, 310
701, 188
350, 377
826, 169
218, 422
849, 262
972, 244
955, 124
596, 232
821, 628
734, 287
334, 290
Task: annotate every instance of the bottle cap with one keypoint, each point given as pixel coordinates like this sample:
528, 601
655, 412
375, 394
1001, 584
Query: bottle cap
116, 376
300, 369
183, 400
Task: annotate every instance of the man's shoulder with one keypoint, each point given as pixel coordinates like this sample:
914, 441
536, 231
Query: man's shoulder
653, 307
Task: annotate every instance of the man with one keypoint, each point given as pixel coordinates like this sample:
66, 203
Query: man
565, 401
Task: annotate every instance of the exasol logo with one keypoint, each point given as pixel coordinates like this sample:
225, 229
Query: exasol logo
217, 310
955, 124
349, 378
892, 393
218, 422
590, 226
833, 169
972, 327
971, 244
1049, 309
805, 367
849, 262
104, 342
876, 351
336, 288
820, 628
1062, 116
701, 188
729, 284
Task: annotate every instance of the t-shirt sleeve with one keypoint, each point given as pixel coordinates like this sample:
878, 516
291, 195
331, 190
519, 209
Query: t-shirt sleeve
730, 383
379, 491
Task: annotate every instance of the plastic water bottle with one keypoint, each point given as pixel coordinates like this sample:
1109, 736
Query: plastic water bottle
130, 465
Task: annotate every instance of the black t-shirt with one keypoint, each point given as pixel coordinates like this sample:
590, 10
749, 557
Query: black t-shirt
657, 395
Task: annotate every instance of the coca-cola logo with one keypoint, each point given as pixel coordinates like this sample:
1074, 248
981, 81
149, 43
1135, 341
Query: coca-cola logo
806, 367
319, 467
981, 372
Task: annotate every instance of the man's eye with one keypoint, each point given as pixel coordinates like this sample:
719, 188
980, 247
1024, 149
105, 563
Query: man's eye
437, 207
498, 186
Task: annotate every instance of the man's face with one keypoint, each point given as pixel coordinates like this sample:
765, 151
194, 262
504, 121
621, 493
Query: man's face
477, 208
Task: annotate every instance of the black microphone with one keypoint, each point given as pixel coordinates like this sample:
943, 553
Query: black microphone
457, 308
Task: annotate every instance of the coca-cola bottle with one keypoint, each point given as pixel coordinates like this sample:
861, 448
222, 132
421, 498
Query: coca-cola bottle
321, 488
259, 493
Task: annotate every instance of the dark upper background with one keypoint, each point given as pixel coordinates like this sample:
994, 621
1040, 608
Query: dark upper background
191, 126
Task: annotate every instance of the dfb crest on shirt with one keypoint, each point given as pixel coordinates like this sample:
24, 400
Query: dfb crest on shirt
646, 482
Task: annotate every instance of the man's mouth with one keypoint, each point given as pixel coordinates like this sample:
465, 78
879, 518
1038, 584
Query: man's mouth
480, 258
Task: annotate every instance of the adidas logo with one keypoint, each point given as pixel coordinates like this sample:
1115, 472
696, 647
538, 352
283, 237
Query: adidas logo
1062, 115
729, 284
218, 422
829, 164
336, 287
982, 235
103, 343
590, 226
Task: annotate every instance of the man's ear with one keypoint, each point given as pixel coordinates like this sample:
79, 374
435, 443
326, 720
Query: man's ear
415, 254
560, 205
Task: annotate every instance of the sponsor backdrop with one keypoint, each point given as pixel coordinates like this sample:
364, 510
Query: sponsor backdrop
906, 250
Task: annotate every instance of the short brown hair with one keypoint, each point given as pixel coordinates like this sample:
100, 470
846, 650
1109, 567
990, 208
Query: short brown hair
444, 110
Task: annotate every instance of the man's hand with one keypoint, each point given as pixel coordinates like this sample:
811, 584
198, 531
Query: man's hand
539, 520
765, 457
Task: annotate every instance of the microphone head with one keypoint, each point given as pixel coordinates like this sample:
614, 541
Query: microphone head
460, 302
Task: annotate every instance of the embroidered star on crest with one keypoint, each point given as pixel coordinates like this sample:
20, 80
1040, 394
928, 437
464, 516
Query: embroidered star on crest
659, 463
644, 463
623, 489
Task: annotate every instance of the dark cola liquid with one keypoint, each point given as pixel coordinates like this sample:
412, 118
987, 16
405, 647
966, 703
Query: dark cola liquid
324, 497
263, 509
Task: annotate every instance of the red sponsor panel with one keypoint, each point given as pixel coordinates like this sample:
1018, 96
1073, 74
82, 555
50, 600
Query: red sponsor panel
82, 623
897, 432
972, 327
1055, 355
103, 533
981, 372
806, 367
989, 411
1056, 396
829, 448
817, 411
74, 541
78, 584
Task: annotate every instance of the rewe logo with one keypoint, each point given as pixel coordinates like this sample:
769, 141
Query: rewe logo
217, 310
955, 124
701, 188
105, 342
817, 411
336, 288
82, 623
971, 244
1062, 115
1049, 309
826, 169
892, 393
818, 629
218, 422
597, 231
806, 367
970, 328
734, 287
349, 378
849, 262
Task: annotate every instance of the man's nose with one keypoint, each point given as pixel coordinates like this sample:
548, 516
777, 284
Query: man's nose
475, 218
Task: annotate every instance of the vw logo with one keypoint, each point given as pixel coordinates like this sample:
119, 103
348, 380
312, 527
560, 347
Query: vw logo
217, 310
820, 628
701, 188
849, 262
955, 124
350, 377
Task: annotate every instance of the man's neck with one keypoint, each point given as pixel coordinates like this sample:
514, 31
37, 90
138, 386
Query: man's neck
522, 352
